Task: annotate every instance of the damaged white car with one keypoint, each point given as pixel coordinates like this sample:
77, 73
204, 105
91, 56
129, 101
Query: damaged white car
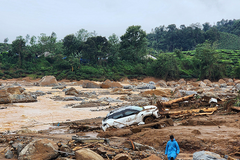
130, 115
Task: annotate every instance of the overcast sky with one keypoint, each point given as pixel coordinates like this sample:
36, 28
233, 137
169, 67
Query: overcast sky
33, 17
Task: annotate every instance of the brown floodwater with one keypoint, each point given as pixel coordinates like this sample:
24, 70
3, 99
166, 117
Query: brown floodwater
41, 114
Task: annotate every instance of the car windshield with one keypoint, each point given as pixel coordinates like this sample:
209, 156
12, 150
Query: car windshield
137, 108
120, 113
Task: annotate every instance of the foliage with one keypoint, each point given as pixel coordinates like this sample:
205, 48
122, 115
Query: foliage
181, 53
208, 66
133, 44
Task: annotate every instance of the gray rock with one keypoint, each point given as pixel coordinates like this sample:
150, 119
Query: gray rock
202, 84
108, 99
223, 85
9, 154
18, 98
237, 86
72, 99
31, 151
151, 82
72, 91
39, 93
162, 83
164, 99
128, 87
206, 155
146, 86
187, 93
64, 90
16, 84
58, 87
19, 148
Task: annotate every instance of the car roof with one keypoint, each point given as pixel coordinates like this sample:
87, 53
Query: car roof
122, 108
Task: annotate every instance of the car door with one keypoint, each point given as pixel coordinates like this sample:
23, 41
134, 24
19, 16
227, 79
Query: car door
118, 119
130, 117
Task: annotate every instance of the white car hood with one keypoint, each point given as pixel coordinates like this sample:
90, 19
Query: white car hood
150, 107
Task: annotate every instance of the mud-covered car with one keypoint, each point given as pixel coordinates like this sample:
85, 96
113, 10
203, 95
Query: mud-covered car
130, 115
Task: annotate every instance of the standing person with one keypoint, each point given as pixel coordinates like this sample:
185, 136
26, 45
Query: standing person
172, 148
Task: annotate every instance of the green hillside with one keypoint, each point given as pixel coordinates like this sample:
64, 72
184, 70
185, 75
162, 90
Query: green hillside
228, 41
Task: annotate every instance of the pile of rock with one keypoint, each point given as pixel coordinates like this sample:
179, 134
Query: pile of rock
47, 81
110, 84
15, 95
90, 84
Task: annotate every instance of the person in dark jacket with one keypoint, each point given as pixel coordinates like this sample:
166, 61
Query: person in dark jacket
172, 148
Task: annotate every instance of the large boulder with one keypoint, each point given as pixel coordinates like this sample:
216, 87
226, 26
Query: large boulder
145, 86
208, 82
221, 81
9, 154
228, 80
110, 84
195, 84
15, 90
4, 97
48, 81
87, 154
72, 91
206, 155
202, 84
237, 86
90, 84
42, 149
182, 81
237, 81
161, 83
22, 98
158, 92
15, 95
171, 83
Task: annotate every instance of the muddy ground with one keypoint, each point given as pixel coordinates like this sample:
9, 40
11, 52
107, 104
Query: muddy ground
56, 119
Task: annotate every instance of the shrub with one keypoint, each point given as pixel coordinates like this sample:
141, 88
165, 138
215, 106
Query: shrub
61, 76
6, 72
8, 76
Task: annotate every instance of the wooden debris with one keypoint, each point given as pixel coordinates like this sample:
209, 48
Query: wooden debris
169, 103
190, 112
235, 108
86, 139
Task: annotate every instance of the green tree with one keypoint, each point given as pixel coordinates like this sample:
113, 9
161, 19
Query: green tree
133, 45
114, 46
165, 67
95, 48
18, 47
208, 65
70, 44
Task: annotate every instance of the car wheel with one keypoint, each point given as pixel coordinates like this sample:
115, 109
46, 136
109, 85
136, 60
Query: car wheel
148, 120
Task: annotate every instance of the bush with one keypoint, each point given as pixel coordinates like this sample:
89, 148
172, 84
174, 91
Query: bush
16, 76
6, 72
8, 76
61, 76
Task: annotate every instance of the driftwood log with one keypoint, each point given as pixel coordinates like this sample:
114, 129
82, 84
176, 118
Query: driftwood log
169, 103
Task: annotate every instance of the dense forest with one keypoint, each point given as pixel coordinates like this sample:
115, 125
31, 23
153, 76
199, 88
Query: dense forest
195, 51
